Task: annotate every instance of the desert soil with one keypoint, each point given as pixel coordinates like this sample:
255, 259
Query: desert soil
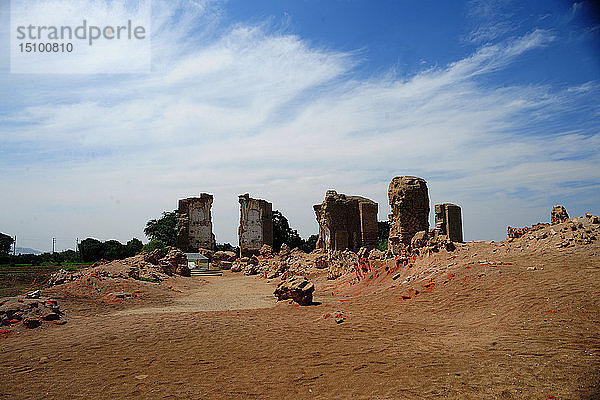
491, 326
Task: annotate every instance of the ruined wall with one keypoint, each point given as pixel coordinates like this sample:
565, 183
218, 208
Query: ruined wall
558, 215
409, 201
256, 225
194, 223
448, 221
368, 223
346, 222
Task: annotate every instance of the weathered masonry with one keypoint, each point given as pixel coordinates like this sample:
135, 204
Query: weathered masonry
409, 201
256, 225
194, 224
448, 221
346, 222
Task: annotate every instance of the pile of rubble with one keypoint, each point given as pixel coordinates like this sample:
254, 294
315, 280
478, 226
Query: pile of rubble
31, 310
150, 267
562, 232
515, 233
219, 259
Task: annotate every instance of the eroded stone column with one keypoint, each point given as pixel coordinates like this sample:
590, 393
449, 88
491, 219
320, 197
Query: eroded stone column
409, 201
448, 221
256, 225
194, 223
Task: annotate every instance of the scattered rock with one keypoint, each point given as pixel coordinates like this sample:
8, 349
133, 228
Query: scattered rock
229, 256
266, 251
273, 274
153, 257
285, 251
225, 264
31, 323
376, 254
321, 262
250, 270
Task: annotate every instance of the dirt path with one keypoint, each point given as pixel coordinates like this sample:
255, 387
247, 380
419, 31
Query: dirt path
222, 293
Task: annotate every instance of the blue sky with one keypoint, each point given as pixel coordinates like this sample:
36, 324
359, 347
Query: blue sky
494, 103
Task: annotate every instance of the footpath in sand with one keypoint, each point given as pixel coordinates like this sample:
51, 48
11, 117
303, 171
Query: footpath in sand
234, 292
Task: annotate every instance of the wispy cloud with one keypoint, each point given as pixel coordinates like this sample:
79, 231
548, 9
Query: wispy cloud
249, 109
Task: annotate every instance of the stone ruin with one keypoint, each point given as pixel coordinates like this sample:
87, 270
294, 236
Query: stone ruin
448, 221
558, 215
346, 222
194, 224
256, 225
409, 201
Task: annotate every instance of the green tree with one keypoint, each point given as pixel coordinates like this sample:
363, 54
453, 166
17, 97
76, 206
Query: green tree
91, 250
383, 233
153, 245
282, 233
163, 229
134, 246
5, 243
114, 250
310, 244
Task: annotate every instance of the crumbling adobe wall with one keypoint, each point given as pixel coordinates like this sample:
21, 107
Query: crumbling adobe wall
409, 201
194, 223
256, 225
448, 221
346, 222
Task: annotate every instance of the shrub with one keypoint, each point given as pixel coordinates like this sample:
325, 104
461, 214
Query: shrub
155, 244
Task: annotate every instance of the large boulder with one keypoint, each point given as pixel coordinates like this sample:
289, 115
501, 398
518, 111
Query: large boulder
297, 288
224, 256
558, 215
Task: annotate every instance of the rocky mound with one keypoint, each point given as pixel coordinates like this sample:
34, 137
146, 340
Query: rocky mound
31, 311
150, 267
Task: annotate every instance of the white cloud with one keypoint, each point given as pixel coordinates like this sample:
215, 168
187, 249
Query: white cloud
249, 110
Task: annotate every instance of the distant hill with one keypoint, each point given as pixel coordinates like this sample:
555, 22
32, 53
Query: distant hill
27, 250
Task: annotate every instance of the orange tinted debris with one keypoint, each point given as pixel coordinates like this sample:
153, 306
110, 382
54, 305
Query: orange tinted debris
5, 332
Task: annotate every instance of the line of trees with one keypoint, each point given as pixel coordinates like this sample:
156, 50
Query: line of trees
94, 250
90, 250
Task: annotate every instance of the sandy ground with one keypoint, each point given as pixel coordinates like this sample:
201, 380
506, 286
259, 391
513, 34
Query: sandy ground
490, 327
234, 292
